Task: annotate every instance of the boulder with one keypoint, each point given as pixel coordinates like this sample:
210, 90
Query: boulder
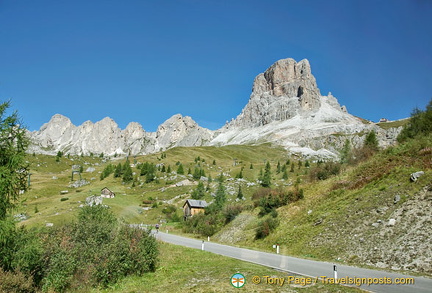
93, 200
391, 222
396, 199
415, 176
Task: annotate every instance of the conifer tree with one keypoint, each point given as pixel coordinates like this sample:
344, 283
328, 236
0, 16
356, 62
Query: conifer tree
240, 193
285, 175
180, 169
199, 191
266, 179
220, 197
118, 171
13, 166
127, 173
371, 141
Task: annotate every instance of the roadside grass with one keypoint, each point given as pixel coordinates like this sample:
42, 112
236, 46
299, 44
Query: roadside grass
184, 269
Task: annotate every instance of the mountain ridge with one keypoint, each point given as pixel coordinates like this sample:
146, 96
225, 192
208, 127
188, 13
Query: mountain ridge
285, 108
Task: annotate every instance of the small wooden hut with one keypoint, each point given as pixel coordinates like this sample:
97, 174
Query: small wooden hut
105, 192
192, 207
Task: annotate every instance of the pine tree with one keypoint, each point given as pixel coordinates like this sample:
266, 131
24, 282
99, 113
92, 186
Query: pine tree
260, 175
214, 162
163, 170
221, 178
220, 197
240, 174
420, 124
127, 173
266, 179
118, 171
371, 141
169, 169
197, 173
199, 191
180, 169
278, 168
285, 175
13, 166
151, 173
292, 167
346, 152
240, 193
251, 166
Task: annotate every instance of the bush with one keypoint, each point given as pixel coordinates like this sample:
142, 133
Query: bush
323, 172
64, 198
20, 251
171, 213
96, 250
265, 227
204, 224
419, 124
15, 282
269, 199
231, 211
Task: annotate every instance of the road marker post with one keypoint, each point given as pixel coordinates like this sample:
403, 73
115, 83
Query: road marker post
202, 245
335, 272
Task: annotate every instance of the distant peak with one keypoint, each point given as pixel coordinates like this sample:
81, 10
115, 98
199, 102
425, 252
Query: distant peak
59, 117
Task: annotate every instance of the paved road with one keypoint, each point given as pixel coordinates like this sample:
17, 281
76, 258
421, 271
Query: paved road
302, 267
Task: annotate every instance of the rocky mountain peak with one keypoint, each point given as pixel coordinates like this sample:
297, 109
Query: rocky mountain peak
288, 78
181, 131
287, 88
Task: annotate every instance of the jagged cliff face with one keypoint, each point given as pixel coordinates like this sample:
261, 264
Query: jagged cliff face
284, 90
104, 136
285, 107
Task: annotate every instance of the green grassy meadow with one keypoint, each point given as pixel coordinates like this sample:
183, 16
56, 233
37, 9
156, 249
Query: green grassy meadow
322, 226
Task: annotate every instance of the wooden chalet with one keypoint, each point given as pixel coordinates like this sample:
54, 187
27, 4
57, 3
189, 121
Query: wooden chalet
106, 193
192, 207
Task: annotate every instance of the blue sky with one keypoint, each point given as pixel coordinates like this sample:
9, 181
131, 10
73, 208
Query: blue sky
147, 60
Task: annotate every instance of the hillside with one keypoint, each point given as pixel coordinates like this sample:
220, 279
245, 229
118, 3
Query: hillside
49, 178
369, 214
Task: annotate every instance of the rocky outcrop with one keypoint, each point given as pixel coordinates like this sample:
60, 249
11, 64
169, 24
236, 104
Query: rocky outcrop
284, 90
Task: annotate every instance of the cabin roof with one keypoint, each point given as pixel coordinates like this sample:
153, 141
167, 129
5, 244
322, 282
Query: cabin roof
193, 203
